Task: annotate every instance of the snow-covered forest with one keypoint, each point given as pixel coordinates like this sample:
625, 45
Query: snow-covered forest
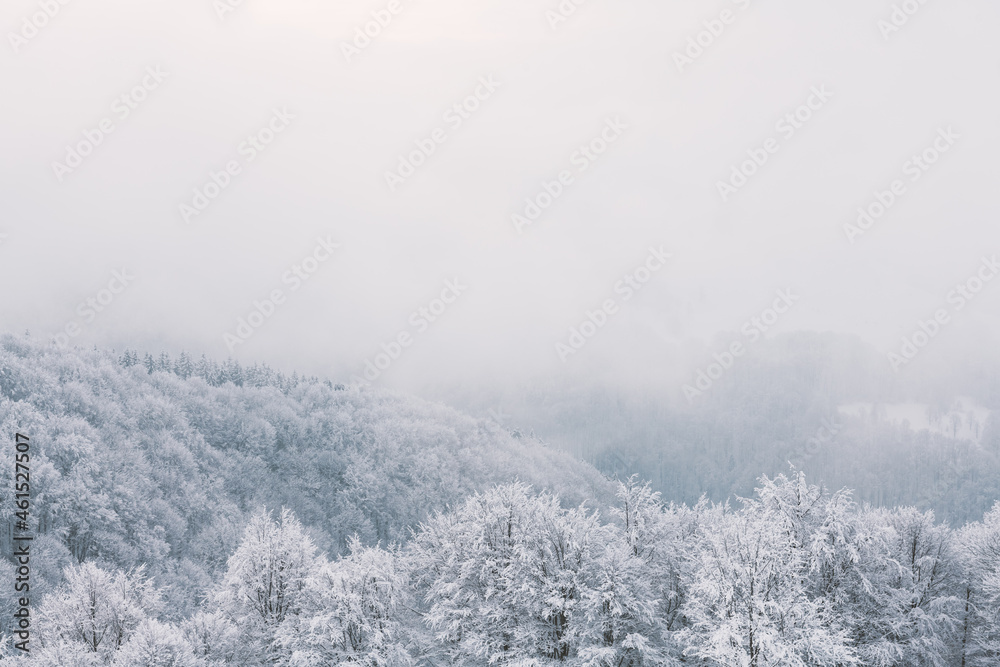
196, 513
500, 334
792, 576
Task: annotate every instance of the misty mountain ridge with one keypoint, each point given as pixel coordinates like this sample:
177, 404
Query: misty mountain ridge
927, 436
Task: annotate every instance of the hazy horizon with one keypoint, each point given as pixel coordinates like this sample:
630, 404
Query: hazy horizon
608, 69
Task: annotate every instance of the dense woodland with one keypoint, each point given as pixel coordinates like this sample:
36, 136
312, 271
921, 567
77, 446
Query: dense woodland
190, 513
791, 577
161, 463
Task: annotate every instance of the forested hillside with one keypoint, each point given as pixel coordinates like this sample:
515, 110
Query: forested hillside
195, 514
160, 463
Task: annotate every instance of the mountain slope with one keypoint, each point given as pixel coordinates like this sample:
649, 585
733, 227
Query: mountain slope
162, 462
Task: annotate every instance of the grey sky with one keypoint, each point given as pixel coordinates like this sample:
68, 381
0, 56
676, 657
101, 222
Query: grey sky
323, 175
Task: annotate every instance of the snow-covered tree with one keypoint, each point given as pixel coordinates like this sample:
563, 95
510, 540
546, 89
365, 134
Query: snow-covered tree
350, 613
155, 644
909, 608
96, 611
58, 653
979, 546
265, 578
213, 637
748, 602
618, 626
630, 592
503, 575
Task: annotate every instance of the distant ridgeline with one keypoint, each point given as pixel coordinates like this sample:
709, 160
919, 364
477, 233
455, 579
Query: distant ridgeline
829, 404
217, 374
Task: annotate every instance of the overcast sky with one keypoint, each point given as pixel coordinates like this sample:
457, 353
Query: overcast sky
611, 68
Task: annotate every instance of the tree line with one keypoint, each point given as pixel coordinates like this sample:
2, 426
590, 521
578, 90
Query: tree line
792, 576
